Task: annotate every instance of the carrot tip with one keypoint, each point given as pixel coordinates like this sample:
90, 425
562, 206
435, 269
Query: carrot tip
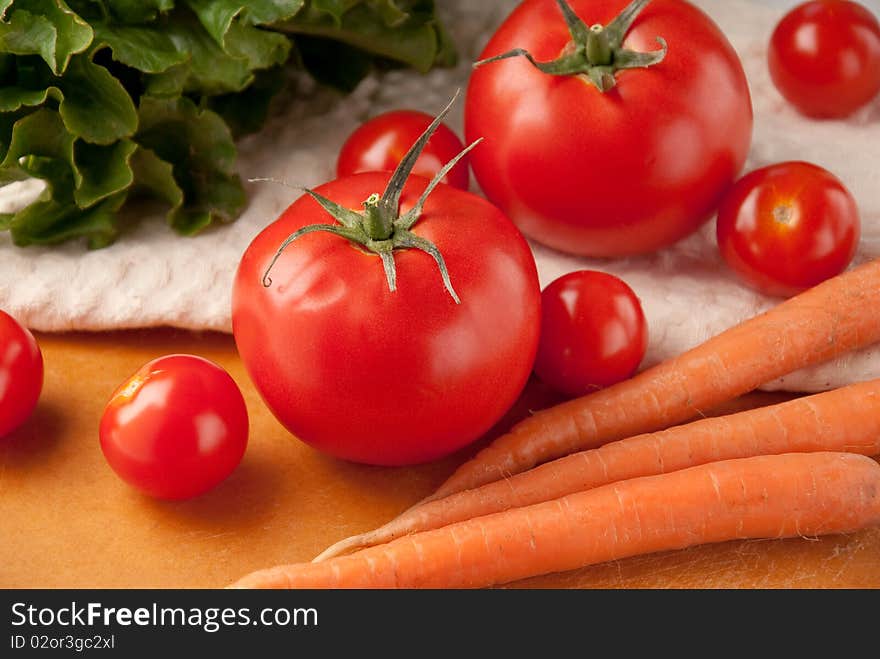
344, 546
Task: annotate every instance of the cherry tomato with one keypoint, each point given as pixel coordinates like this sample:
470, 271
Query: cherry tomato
389, 377
176, 428
21, 374
824, 57
593, 333
788, 227
624, 171
380, 143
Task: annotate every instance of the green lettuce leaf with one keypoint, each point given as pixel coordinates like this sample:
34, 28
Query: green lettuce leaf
101, 171
47, 28
401, 31
39, 135
76, 202
92, 103
49, 221
210, 69
217, 15
145, 48
108, 100
154, 177
198, 144
42, 147
14, 98
96, 106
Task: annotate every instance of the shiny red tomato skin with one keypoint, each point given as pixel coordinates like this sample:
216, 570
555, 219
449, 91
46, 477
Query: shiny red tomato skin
380, 143
620, 173
824, 57
787, 227
21, 374
381, 377
593, 333
176, 428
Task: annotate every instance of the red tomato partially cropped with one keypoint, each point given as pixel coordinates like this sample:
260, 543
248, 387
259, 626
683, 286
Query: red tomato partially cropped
622, 172
787, 227
381, 377
21, 374
379, 144
176, 428
593, 332
824, 57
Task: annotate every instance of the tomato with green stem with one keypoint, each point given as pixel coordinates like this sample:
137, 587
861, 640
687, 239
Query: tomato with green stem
824, 57
380, 143
176, 428
610, 129
593, 332
787, 227
394, 334
21, 374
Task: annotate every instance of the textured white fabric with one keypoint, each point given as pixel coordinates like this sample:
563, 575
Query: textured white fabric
152, 277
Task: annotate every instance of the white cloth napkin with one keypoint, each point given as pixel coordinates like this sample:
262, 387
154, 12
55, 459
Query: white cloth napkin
152, 277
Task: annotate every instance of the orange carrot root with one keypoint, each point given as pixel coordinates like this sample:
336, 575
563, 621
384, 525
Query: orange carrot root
807, 494
835, 317
846, 419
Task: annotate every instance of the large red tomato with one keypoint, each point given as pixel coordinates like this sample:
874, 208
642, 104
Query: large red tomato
624, 171
379, 376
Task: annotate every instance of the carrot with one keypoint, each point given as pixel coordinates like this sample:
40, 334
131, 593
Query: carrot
835, 317
846, 419
805, 494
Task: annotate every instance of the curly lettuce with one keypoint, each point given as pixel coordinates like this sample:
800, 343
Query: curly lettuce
109, 100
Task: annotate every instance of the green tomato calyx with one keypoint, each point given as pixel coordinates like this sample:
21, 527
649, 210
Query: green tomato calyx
595, 52
381, 228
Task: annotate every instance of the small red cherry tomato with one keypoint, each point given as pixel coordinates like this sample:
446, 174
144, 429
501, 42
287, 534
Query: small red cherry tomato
593, 333
824, 57
787, 227
378, 145
21, 374
176, 428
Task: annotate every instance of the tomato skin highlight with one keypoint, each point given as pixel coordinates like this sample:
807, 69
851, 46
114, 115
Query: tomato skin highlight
787, 227
625, 172
21, 374
593, 333
176, 428
380, 143
381, 377
824, 57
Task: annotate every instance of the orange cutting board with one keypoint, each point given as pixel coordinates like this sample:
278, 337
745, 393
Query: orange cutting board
66, 520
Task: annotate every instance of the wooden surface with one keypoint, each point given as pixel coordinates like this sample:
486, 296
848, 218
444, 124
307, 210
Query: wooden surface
66, 520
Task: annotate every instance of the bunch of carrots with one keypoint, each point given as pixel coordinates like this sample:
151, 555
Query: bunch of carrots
612, 474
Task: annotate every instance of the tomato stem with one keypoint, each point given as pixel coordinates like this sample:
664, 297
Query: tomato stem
596, 53
377, 224
380, 228
599, 51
